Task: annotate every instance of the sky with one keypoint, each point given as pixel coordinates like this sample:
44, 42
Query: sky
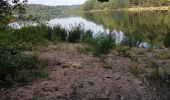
56, 2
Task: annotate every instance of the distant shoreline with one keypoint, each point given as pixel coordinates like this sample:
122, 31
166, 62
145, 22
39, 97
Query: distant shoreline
134, 9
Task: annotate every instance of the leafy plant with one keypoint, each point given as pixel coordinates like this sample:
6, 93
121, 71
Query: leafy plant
75, 34
17, 67
135, 70
124, 51
102, 43
59, 33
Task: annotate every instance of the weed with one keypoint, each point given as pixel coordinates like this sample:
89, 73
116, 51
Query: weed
102, 43
134, 70
124, 51
164, 54
31, 36
17, 67
58, 33
75, 34
85, 49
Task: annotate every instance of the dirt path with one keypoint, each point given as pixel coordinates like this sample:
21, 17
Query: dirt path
78, 76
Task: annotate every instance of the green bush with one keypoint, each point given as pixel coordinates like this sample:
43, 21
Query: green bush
87, 35
59, 33
75, 34
15, 64
124, 51
102, 43
31, 36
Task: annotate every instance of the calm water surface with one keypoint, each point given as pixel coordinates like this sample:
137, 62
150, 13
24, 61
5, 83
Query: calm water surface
144, 29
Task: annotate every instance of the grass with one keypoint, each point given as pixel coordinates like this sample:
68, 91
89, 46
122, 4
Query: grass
101, 43
159, 78
19, 68
134, 70
85, 49
31, 36
76, 33
164, 54
124, 51
58, 33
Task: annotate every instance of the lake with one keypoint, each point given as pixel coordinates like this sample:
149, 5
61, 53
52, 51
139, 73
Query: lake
144, 29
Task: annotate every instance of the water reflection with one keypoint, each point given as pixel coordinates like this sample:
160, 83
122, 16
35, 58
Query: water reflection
145, 29
68, 22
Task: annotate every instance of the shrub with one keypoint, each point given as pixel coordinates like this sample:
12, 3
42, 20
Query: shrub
87, 35
134, 70
164, 54
31, 36
75, 34
60, 32
102, 43
159, 78
17, 67
124, 51
57, 33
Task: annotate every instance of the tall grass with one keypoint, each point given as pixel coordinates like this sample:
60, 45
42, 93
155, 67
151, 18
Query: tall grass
59, 33
13, 61
76, 33
31, 35
102, 43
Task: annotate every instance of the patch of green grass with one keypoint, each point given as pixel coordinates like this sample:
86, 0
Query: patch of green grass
75, 34
31, 36
102, 44
164, 54
85, 49
135, 70
87, 35
124, 51
17, 67
159, 77
58, 33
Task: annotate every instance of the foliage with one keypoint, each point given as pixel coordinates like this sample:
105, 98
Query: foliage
87, 35
135, 70
76, 33
31, 36
102, 43
95, 5
164, 54
59, 33
135, 26
7, 9
159, 78
124, 51
18, 67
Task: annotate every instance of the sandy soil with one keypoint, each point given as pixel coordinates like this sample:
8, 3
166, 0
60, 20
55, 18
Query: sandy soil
81, 76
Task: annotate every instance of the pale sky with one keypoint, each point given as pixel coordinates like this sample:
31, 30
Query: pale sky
56, 2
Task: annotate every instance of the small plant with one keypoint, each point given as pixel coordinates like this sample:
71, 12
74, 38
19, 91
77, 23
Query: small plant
135, 70
87, 35
75, 34
164, 54
58, 33
31, 36
159, 78
102, 43
85, 49
17, 67
124, 51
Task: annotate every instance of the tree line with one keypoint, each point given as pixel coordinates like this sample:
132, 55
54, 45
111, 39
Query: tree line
112, 4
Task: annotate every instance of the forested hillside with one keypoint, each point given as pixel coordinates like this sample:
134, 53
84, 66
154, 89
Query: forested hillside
112, 4
32, 8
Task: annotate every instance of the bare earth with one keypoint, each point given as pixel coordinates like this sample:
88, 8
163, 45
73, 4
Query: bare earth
80, 76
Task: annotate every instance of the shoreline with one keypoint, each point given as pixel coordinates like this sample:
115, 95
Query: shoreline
135, 9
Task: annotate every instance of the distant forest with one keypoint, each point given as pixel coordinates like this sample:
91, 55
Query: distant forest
112, 4
34, 8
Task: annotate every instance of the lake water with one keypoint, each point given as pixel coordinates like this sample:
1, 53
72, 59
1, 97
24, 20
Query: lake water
144, 29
